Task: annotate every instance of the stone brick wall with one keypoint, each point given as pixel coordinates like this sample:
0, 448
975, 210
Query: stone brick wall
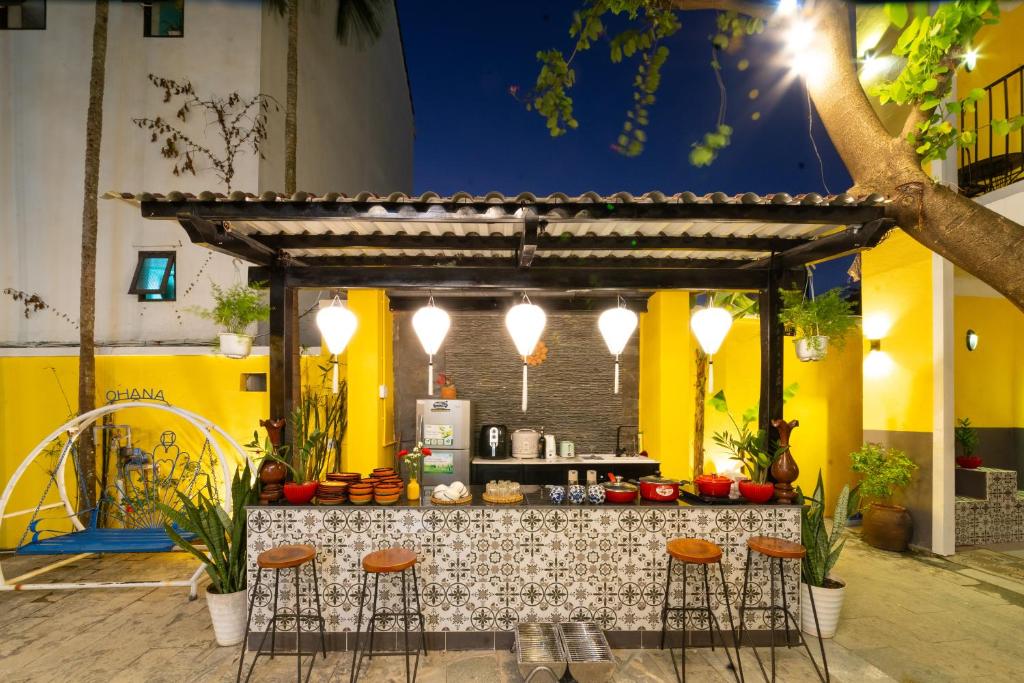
570, 393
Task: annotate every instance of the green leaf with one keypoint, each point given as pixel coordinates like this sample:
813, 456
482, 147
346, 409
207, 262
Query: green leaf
1000, 127
930, 103
930, 84
718, 402
897, 13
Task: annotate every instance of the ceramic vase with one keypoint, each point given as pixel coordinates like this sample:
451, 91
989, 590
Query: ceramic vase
577, 493
595, 494
557, 494
784, 470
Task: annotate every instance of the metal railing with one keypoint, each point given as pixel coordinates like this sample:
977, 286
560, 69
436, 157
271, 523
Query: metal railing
993, 161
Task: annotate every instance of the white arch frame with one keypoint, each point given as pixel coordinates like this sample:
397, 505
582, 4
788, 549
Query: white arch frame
74, 428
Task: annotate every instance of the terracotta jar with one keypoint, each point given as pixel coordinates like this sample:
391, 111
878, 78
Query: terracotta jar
887, 527
272, 476
784, 470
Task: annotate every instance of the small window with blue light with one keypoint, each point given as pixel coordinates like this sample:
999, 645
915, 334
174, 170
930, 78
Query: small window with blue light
154, 276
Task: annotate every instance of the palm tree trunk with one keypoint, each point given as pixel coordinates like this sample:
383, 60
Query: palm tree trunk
292, 99
699, 406
90, 207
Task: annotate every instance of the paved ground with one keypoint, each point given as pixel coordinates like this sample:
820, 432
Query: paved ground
906, 618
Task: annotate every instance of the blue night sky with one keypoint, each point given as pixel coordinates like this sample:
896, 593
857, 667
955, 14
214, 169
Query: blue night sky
472, 135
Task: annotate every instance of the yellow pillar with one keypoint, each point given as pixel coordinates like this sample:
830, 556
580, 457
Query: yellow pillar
370, 372
666, 391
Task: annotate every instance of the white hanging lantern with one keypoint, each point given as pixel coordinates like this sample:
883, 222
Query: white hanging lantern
337, 324
710, 325
431, 326
617, 326
525, 322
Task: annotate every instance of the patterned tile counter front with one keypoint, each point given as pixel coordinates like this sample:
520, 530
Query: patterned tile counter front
483, 568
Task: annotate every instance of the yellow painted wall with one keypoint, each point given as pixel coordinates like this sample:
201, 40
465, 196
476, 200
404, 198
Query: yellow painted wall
666, 382
896, 286
370, 418
989, 380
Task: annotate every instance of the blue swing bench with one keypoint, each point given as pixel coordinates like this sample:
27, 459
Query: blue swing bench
95, 539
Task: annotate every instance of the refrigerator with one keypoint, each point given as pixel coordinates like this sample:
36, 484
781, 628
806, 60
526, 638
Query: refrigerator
443, 425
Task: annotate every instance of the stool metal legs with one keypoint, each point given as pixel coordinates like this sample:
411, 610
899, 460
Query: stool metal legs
713, 626
773, 610
298, 654
411, 670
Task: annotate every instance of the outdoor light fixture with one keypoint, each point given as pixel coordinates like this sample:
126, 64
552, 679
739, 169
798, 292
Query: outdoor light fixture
804, 61
337, 324
972, 340
878, 363
710, 325
971, 59
786, 7
871, 66
876, 326
525, 322
617, 326
431, 326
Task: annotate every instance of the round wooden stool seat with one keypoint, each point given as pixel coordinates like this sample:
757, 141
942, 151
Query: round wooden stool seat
694, 550
389, 560
776, 547
286, 556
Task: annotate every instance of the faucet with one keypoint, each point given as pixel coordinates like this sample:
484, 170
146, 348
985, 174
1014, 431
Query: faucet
620, 450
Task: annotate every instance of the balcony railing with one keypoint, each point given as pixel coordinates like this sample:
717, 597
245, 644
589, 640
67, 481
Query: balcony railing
993, 161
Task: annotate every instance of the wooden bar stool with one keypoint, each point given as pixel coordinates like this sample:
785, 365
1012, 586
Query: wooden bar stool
285, 557
778, 550
695, 551
400, 561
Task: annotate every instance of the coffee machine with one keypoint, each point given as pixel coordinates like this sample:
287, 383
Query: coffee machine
494, 442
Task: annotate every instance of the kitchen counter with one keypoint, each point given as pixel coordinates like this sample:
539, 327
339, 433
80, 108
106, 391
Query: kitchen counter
578, 461
556, 470
482, 568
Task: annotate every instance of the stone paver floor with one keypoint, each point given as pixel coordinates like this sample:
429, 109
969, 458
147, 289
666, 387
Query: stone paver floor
906, 618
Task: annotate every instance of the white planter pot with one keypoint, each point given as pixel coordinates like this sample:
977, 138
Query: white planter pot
228, 613
828, 602
235, 345
811, 348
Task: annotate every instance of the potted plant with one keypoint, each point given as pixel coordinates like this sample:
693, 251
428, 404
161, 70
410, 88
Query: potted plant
816, 321
966, 437
823, 548
305, 459
220, 545
234, 310
754, 450
886, 526
447, 385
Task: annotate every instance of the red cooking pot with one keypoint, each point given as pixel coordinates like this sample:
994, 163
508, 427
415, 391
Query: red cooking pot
617, 492
659, 489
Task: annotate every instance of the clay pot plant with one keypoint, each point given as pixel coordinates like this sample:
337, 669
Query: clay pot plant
887, 526
217, 539
823, 547
447, 385
234, 310
754, 450
816, 321
966, 438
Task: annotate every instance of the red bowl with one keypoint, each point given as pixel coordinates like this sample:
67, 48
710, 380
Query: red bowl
757, 493
300, 494
714, 485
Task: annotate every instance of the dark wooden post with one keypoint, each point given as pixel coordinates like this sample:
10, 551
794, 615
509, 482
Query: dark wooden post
284, 346
770, 303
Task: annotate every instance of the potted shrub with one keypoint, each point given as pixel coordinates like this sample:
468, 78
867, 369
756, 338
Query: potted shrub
220, 545
966, 437
306, 458
234, 310
816, 321
886, 526
754, 450
823, 548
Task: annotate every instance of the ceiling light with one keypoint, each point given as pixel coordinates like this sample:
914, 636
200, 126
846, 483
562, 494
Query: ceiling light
525, 322
617, 326
431, 326
787, 7
971, 59
710, 325
337, 324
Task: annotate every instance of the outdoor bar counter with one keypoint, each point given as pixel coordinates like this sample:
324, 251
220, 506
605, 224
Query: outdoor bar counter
484, 567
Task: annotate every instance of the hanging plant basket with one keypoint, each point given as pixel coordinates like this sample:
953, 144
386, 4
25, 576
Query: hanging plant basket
811, 348
235, 345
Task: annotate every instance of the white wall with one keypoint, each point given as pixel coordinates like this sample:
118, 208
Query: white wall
44, 76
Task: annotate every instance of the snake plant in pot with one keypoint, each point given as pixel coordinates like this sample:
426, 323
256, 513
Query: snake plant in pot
823, 548
219, 544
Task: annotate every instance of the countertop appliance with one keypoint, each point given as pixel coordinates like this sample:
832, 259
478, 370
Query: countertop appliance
550, 446
443, 425
494, 442
525, 443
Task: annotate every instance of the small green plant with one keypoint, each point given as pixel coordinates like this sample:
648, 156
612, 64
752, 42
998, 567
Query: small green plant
823, 546
222, 535
827, 315
966, 436
236, 307
754, 450
883, 469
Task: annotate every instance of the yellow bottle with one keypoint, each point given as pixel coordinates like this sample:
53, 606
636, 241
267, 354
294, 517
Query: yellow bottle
413, 489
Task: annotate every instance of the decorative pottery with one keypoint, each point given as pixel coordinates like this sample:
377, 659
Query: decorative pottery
758, 494
228, 614
412, 490
784, 470
828, 603
595, 494
274, 430
300, 494
272, 475
969, 462
448, 391
887, 527
577, 493
713, 485
557, 494
235, 345
811, 348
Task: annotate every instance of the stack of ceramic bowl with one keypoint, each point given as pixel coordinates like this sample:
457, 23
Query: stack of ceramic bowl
347, 477
387, 492
360, 492
331, 492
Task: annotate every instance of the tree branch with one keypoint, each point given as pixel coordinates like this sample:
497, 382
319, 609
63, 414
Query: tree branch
750, 9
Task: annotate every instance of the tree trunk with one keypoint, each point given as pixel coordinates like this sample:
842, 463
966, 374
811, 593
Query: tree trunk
90, 207
292, 99
699, 406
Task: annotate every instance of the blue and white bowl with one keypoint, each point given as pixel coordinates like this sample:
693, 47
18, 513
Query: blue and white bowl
595, 494
557, 494
577, 494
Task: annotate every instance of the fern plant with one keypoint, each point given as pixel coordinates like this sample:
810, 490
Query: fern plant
966, 436
236, 307
826, 315
823, 546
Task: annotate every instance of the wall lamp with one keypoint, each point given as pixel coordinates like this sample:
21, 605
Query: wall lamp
878, 363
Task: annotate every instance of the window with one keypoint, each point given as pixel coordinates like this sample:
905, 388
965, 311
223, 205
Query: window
163, 19
154, 276
22, 15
